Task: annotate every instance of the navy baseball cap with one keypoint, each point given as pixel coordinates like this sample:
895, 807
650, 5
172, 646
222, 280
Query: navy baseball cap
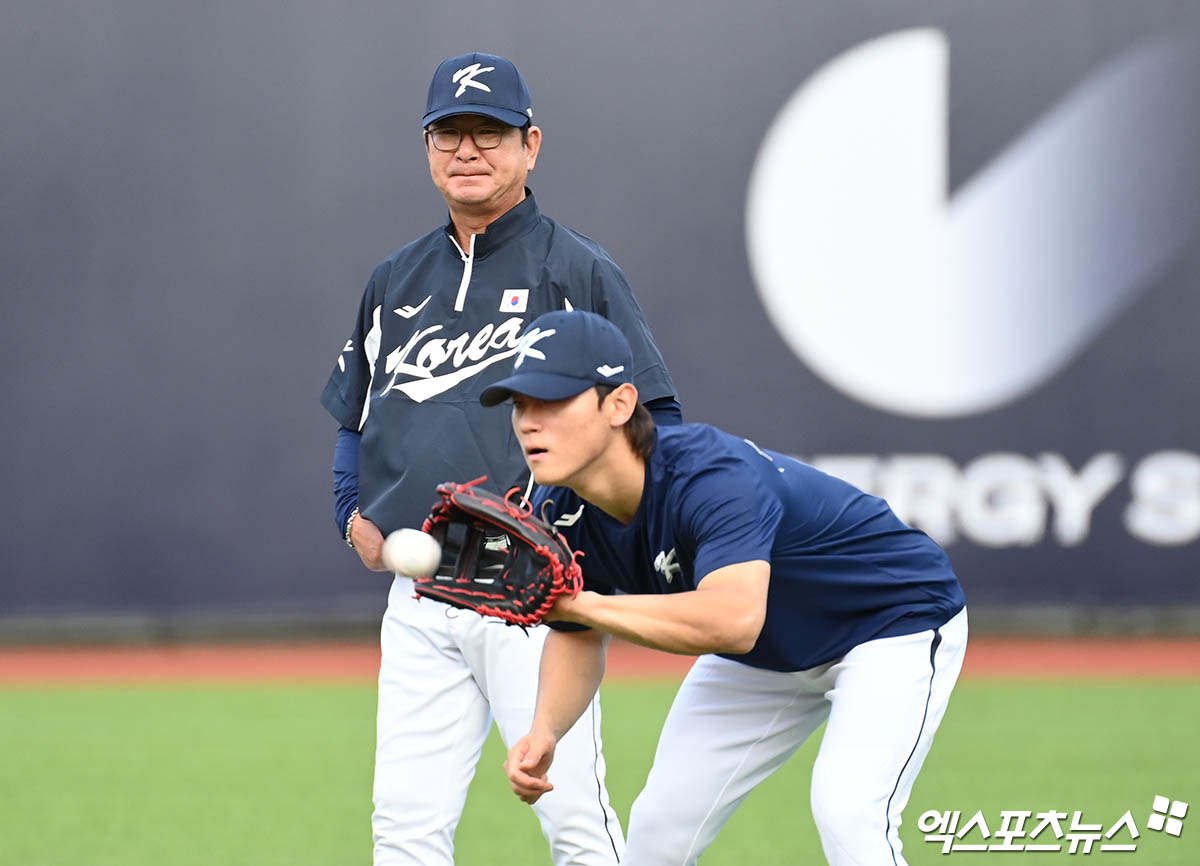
562, 354
479, 84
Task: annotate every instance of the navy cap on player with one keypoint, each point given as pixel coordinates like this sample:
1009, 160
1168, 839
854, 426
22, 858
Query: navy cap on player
563, 354
479, 84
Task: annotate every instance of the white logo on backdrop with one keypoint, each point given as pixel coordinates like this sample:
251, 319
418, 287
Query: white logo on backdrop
1003, 499
926, 305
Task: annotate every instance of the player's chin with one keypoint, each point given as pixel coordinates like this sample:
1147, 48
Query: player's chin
542, 475
542, 471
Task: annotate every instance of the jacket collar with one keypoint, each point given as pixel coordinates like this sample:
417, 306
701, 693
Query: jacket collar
505, 228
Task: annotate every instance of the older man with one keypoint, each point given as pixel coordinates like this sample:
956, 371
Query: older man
435, 325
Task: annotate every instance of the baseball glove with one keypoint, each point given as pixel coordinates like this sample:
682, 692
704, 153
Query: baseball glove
497, 558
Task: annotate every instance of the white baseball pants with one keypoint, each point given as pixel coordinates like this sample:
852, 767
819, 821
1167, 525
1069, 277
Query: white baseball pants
732, 726
445, 674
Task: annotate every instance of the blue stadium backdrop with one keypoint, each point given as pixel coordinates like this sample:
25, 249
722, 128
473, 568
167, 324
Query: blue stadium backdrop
946, 250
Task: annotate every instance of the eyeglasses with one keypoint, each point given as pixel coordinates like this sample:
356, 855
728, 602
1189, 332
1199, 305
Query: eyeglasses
448, 138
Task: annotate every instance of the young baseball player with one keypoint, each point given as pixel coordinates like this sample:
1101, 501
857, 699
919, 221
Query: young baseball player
438, 322
807, 600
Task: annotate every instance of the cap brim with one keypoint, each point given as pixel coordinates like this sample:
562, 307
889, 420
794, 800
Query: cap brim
542, 386
504, 115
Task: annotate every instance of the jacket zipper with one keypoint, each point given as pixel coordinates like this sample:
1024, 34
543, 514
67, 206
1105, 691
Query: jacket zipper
469, 263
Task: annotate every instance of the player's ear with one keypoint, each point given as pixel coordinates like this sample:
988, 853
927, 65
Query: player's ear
621, 403
533, 145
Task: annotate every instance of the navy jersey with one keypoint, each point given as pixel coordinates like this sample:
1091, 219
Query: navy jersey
436, 326
844, 568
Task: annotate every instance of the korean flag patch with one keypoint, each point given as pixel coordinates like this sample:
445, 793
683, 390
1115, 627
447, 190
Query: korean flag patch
514, 300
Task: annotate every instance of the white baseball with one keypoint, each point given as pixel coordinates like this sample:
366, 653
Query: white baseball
411, 552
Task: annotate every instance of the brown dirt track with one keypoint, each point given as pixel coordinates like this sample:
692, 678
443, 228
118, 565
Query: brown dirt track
298, 662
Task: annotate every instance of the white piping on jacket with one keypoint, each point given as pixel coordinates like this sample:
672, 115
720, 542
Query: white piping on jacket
469, 259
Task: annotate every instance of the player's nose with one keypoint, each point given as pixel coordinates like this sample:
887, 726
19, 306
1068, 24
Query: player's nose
527, 418
466, 147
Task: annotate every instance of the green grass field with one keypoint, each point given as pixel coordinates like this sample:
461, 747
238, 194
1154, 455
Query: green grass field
280, 774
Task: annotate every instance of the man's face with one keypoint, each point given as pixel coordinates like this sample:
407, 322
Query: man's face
479, 179
562, 439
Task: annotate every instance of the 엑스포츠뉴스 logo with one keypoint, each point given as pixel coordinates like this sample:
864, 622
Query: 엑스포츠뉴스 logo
1048, 831
924, 304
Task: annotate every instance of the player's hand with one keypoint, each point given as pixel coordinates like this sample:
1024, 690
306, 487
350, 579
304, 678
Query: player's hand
567, 609
527, 763
368, 543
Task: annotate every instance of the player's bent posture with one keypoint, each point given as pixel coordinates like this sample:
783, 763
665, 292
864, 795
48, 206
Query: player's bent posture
806, 599
437, 321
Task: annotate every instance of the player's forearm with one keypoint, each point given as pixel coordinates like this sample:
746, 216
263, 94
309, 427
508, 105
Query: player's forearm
571, 670
681, 623
725, 615
345, 476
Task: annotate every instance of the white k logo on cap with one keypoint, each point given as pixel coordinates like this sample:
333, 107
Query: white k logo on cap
606, 371
526, 347
466, 78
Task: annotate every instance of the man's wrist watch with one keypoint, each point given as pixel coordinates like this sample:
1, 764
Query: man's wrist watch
349, 526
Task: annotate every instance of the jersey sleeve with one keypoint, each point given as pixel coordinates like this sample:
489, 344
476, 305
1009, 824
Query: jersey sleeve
731, 516
613, 298
348, 389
